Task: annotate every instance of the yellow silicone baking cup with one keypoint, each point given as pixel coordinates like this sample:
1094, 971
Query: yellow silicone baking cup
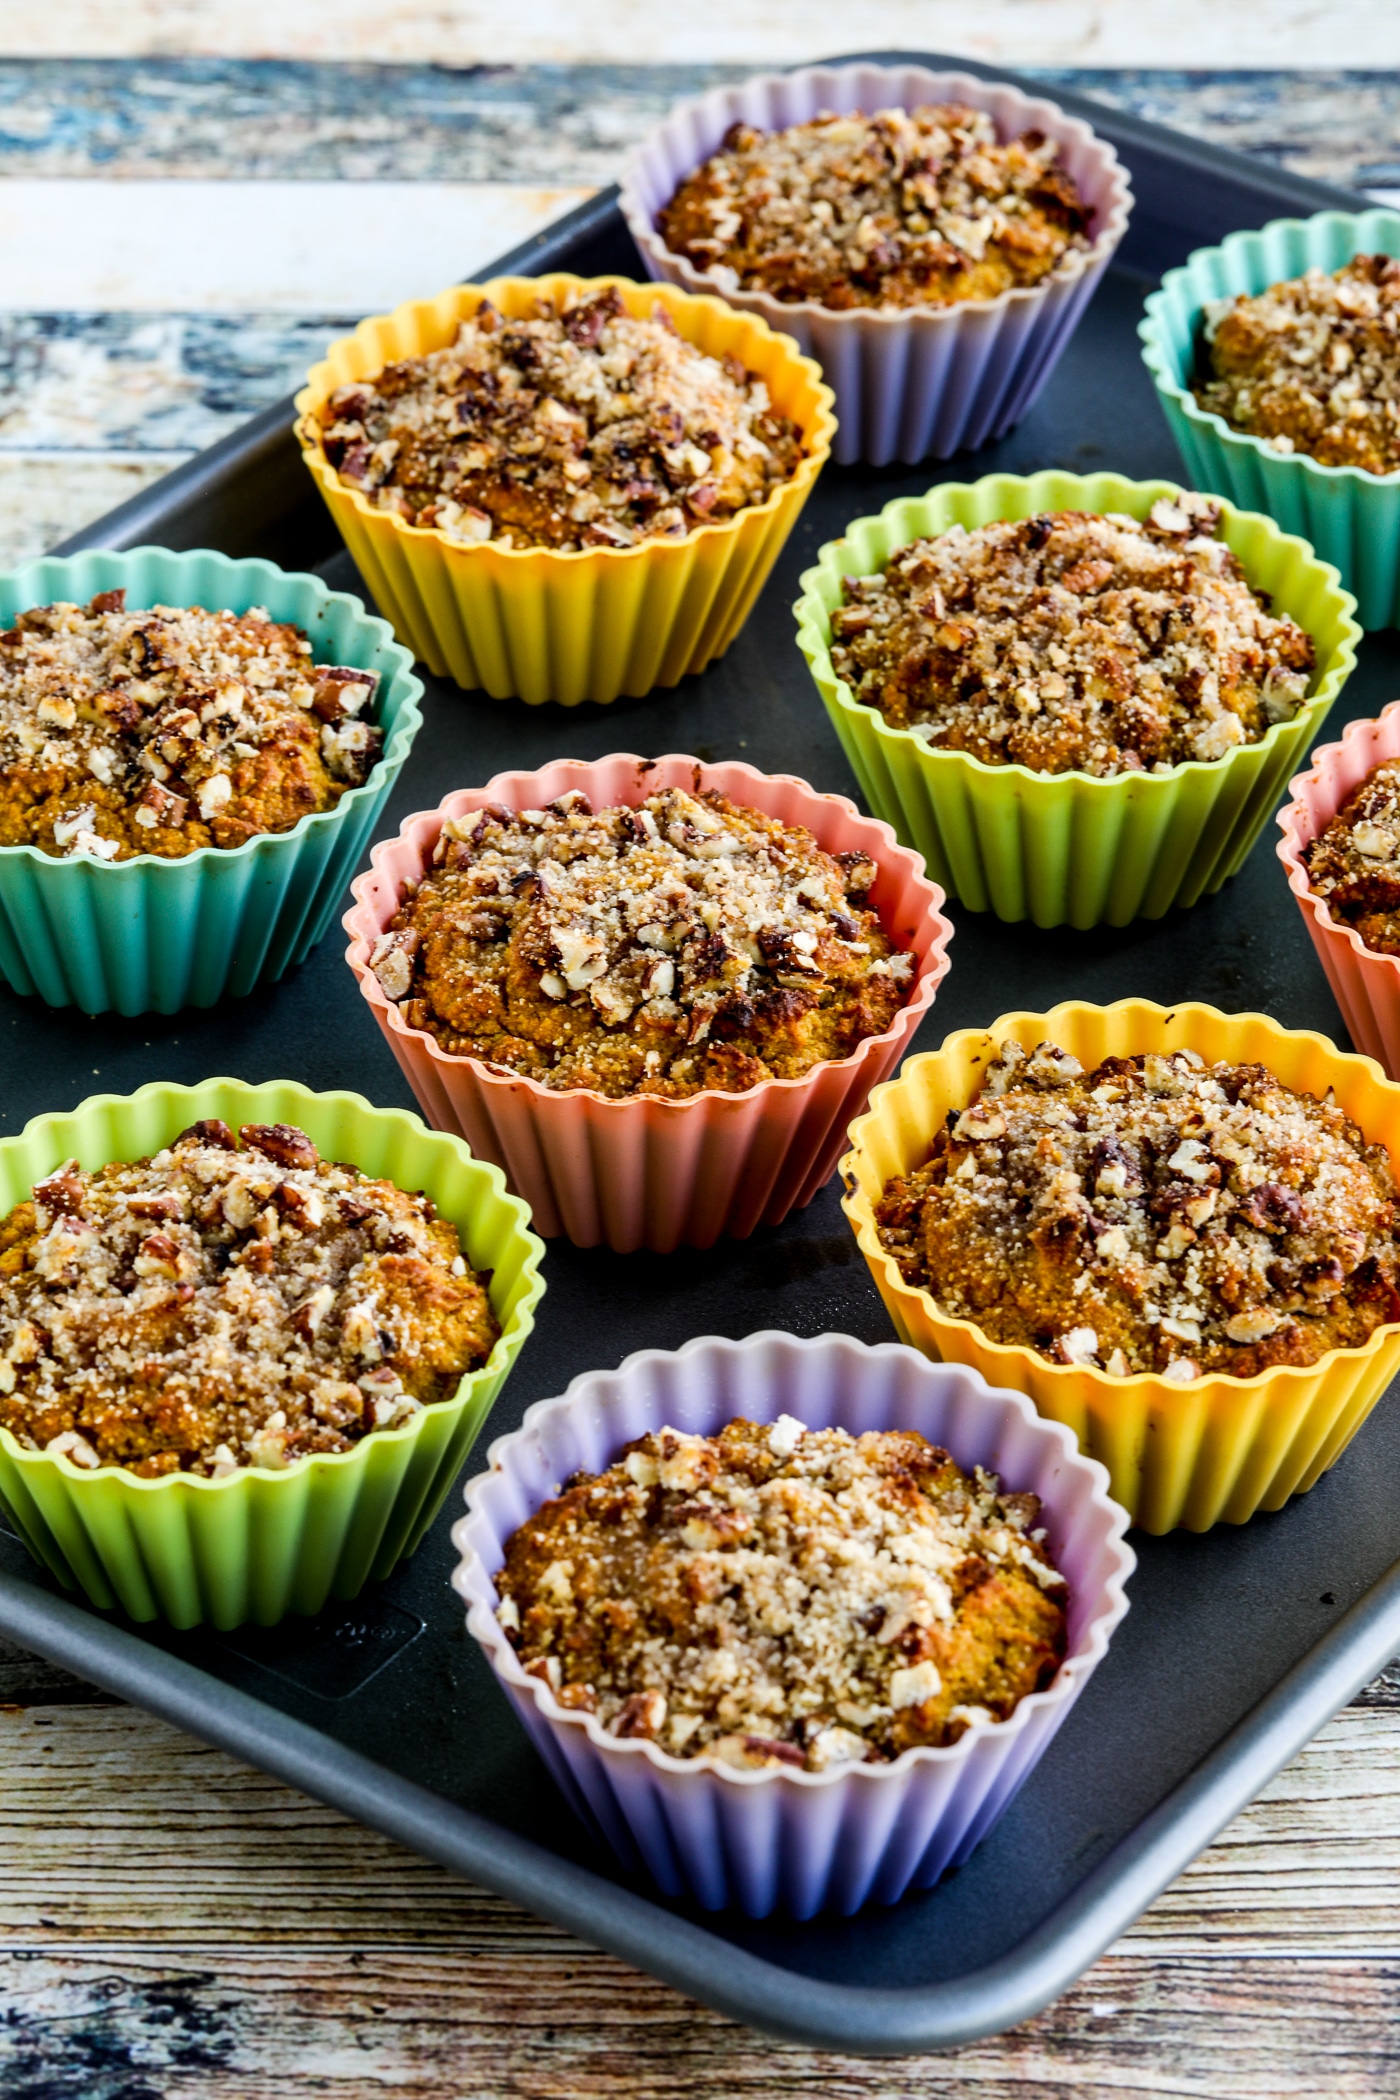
1214, 1451
529, 622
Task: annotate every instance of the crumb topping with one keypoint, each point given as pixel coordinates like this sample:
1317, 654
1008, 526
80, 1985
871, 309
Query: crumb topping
1354, 864
165, 730
1156, 1214
229, 1302
786, 1596
579, 426
683, 943
921, 207
1074, 643
1312, 365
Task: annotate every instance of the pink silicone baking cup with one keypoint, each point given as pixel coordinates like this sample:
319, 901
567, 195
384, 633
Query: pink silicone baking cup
1365, 985
911, 383
644, 1172
760, 1841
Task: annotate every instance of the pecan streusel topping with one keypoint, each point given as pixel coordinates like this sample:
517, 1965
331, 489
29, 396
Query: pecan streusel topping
1354, 864
1071, 642
1155, 1214
229, 1302
683, 943
921, 207
164, 730
786, 1596
1312, 365
580, 426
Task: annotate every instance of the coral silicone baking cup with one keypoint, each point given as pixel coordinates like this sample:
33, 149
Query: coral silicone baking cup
911, 382
1066, 848
260, 1544
1351, 517
763, 1840
536, 624
148, 935
1195, 1455
1365, 983
644, 1172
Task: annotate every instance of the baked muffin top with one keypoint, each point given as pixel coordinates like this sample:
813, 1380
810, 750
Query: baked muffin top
164, 730
785, 1596
1155, 1214
1073, 643
1354, 863
229, 1302
578, 426
920, 207
1312, 365
684, 943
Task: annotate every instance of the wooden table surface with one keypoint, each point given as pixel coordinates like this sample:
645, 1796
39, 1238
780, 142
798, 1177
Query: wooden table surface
172, 1923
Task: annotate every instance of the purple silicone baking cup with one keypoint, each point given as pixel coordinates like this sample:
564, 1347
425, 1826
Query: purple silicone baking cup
910, 383
779, 1839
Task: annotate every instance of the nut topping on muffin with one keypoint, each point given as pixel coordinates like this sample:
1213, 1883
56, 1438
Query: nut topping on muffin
1354, 864
579, 426
165, 730
1072, 642
1155, 1214
785, 1596
683, 943
920, 207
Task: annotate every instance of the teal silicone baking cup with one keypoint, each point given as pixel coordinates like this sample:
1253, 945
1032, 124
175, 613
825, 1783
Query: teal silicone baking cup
148, 935
1066, 848
257, 1544
1351, 517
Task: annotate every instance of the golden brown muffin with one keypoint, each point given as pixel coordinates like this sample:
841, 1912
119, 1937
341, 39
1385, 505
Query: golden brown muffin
1354, 864
229, 1302
922, 207
579, 426
165, 730
1155, 1214
682, 944
1070, 642
785, 1596
1312, 365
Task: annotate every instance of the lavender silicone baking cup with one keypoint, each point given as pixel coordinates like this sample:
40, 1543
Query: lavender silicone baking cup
911, 383
802, 1842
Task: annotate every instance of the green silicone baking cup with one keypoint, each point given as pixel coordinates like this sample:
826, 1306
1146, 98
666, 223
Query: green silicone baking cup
1351, 517
149, 935
259, 1544
1065, 848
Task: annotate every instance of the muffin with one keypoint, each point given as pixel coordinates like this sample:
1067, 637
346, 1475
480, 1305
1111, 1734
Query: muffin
1312, 365
930, 238
785, 1596
661, 947
164, 729
230, 1301
659, 1038
1354, 865
1155, 1213
1173, 1228
1077, 697
563, 488
1069, 642
919, 207
683, 1671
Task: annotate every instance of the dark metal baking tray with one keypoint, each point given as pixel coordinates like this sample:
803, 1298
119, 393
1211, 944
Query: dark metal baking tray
1239, 1644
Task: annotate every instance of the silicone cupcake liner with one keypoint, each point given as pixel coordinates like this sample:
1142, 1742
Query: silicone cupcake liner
911, 383
1351, 517
530, 622
1194, 1455
1365, 984
259, 1544
1066, 848
148, 935
803, 1842
645, 1172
